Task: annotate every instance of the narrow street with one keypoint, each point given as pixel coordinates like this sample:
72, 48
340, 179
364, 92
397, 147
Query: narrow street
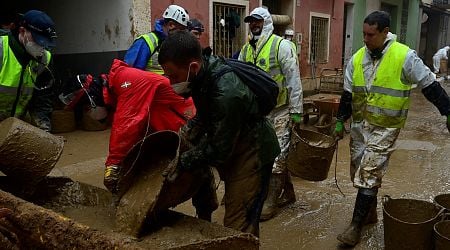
418, 169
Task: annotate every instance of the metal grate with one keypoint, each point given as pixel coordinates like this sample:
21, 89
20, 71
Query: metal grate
230, 37
319, 39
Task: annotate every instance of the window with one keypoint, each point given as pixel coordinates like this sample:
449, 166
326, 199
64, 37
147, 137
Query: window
319, 38
229, 29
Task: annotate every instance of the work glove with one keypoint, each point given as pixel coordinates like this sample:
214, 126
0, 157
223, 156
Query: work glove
296, 118
111, 178
338, 132
448, 123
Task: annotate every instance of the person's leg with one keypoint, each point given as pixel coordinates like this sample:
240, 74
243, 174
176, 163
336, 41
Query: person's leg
371, 147
436, 64
243, 205
205, 200
280, 176
365, 199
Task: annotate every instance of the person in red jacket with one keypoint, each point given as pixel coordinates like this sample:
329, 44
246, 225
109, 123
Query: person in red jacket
144, 102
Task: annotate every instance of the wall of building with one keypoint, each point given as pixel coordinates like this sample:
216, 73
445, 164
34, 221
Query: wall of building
302, 25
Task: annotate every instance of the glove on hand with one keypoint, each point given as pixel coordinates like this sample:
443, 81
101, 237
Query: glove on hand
296, 118
338, 132
111, 178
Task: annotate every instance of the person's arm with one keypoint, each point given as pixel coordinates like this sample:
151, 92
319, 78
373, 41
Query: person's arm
415, 71
224, 128
138, 54
290, 69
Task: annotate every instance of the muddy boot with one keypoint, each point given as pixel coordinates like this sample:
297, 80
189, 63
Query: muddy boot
352, 235
372, 218
288, 194
270, 207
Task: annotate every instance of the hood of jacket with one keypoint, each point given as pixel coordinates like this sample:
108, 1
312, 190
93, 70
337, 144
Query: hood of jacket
267, 29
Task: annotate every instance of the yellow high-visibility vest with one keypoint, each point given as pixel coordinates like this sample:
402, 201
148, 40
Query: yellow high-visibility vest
267, 60
152, 41
386, 103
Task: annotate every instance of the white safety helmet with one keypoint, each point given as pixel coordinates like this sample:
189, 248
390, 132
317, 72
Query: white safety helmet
177, 13
289, 32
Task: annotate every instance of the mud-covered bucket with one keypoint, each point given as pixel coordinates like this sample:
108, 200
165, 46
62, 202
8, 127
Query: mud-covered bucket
408, 223
26, 152
443, 200
441, 235
311, 154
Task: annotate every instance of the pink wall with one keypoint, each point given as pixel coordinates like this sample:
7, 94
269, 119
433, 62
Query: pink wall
335, 8
336, 13
198, 9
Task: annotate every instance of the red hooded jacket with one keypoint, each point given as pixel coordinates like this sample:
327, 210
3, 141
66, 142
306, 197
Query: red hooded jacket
145, 102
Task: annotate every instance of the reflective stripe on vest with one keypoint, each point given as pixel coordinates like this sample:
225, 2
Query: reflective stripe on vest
267, 59
9, 82
152, 41
386, 103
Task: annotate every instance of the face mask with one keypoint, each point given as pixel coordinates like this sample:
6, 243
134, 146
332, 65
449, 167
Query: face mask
182, 88
34, 49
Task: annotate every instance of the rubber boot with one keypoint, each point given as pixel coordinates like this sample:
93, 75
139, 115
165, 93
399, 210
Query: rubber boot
270, 207
352, 235
372, 218
288, 193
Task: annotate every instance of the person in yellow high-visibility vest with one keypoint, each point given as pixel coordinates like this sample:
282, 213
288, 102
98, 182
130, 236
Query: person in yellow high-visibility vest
277, 57
377, 86
143, 53
24, 53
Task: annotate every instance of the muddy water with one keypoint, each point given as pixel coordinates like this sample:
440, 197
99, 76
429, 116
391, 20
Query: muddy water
418, 169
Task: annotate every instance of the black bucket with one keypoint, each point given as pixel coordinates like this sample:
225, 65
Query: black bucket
310, 154
443, 200
408, 223
441, 235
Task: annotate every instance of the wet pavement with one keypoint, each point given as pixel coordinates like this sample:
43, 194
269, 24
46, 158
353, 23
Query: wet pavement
418, 169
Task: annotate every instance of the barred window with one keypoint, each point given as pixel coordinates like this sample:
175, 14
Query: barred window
319, 39
229, 28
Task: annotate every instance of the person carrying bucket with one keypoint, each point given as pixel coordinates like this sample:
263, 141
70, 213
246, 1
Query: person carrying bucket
377, 87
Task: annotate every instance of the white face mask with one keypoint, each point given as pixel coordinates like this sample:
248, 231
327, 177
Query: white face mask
182, 88
34, 49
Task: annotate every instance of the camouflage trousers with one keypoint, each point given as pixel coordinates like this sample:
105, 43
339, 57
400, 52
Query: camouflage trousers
370, 149
281, 121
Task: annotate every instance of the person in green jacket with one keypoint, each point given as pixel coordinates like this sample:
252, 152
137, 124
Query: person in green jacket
25, 56
228, 131
377, 84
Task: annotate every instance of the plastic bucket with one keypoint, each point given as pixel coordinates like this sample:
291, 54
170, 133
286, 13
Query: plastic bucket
441, 235
408, 223
443, 200
310, 154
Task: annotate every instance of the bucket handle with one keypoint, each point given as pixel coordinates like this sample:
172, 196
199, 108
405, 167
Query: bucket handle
299, 138
444, 215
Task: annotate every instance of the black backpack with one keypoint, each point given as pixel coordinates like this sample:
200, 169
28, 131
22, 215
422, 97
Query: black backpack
257, 80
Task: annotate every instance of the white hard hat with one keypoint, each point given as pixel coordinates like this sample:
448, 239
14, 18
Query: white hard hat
289, 32
177, 13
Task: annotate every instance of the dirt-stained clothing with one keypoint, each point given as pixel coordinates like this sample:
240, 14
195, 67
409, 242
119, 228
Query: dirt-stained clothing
229, 133
371, 145
291, 86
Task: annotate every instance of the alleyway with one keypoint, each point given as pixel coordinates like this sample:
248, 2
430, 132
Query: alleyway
419, 169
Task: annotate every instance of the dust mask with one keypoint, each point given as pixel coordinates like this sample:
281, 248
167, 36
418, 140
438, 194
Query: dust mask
182, 88
34, 49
